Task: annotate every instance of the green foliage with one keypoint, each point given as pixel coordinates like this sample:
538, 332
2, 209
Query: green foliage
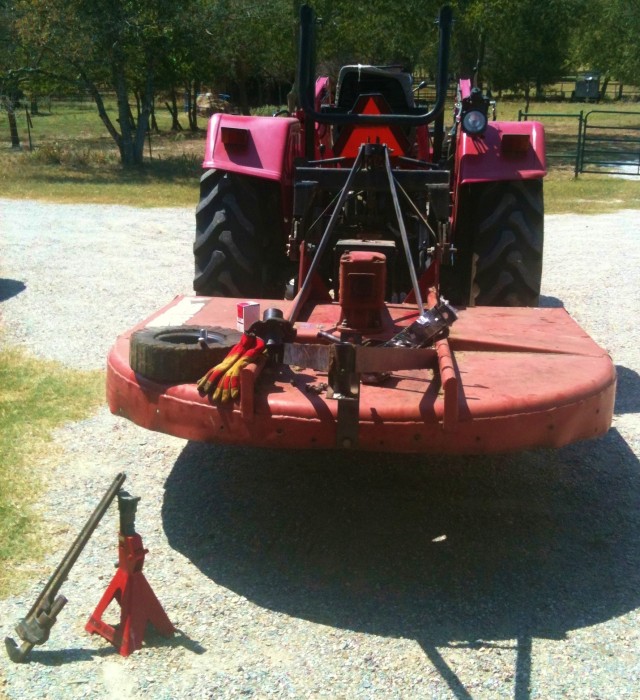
401, 32
248, 42
56, 153
521, 42
233, 41
13, 58
606, 38
96, 43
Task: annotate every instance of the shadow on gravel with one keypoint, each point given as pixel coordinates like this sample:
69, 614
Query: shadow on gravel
627, 391
62, 657
10, 288
551, 302
442, 550
152, 638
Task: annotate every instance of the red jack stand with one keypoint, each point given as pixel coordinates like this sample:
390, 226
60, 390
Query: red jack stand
130, 588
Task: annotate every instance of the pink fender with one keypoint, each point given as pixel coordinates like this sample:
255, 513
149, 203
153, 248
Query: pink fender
263, 147
506, 151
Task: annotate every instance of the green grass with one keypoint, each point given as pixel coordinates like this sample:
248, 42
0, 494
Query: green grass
75, 160
36, 397
588, 194
508, 110
172, 182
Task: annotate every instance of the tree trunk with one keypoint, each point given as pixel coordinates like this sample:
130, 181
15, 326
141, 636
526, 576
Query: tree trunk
132, 120
193, 107
143, 122
173, 111
102, 112
13, 127
124, 139
154, 123
127, 155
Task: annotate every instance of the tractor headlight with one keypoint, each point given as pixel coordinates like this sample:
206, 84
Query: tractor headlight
474, 122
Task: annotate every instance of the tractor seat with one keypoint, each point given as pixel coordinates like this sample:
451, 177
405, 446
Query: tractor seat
393, 84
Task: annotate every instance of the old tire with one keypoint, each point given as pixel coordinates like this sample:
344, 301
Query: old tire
237, 251
507, 244
172, 354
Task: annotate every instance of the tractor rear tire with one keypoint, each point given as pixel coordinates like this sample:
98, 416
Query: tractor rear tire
172, 354
507, 244
236, 250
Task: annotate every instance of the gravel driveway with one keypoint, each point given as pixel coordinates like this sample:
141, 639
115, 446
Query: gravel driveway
326, 574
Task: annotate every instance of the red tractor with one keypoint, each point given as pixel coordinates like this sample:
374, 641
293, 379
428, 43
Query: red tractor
366, 219
470, 199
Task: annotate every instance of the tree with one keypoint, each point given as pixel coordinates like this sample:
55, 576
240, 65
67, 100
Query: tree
524, 42
255, 43
606, 38
251, 43
103, 44
11, 77
400, 31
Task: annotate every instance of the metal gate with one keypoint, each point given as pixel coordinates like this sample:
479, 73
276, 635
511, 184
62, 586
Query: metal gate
610, 143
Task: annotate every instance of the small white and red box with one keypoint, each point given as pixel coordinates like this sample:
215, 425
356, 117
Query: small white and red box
248, 313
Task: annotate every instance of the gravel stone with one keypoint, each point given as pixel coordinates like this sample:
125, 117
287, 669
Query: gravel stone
328, 575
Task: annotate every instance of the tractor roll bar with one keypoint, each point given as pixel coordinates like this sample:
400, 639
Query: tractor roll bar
306, 78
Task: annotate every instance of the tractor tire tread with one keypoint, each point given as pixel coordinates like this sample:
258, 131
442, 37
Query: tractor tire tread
235, 248
508, 244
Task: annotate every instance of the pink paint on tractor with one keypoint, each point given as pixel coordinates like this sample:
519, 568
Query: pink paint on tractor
255, 146
508, 150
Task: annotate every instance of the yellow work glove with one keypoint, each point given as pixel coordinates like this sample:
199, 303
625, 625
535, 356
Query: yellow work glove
222, 382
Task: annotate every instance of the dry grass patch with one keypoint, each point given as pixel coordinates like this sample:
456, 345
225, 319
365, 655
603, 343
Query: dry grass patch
37, 396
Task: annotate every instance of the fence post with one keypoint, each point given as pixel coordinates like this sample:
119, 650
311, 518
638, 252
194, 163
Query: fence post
580, 148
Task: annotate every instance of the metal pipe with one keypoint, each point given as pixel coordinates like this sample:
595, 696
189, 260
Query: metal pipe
403, 231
